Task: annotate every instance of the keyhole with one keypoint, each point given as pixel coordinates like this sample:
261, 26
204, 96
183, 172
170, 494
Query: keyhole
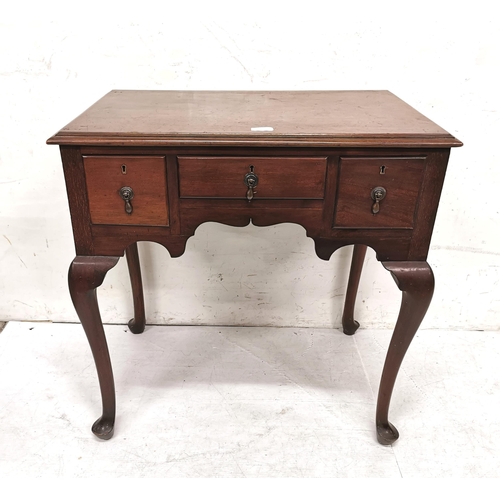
124, 169
251, 169
382, 170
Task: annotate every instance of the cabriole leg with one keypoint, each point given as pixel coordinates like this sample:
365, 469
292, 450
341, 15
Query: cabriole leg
85, 275
416, 281
138, 322
349, 324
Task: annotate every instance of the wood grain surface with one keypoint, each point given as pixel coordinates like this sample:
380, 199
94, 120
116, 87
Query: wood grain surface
278, 177
402, 179
146, 175
298, 118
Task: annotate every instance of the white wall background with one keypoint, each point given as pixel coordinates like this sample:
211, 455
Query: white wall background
58, 58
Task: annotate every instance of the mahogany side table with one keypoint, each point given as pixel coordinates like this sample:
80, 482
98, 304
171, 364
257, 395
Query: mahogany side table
351, 167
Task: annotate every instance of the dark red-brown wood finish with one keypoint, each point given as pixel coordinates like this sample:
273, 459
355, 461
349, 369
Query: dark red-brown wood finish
416, 281
138, 322
349, 324
360, 168
85, 275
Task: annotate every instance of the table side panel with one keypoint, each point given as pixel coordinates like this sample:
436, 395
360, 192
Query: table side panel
428, 203
76, 188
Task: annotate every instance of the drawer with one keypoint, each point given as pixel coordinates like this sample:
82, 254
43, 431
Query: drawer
401, 179
278, 178
145, 175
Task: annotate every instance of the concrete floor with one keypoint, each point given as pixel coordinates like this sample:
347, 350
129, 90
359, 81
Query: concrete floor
247, 402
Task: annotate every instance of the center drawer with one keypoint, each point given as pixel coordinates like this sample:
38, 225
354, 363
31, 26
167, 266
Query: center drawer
277, 177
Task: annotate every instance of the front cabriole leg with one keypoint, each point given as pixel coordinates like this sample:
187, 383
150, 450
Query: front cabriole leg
416, 281
86, 273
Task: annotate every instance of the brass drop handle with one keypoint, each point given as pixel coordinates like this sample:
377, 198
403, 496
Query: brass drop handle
127, 194
377, 194
251, 180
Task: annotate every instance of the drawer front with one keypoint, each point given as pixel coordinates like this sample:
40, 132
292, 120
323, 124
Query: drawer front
278, 178
401, 178
145, 175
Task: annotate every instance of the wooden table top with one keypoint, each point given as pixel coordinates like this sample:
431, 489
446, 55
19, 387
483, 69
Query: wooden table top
253, 118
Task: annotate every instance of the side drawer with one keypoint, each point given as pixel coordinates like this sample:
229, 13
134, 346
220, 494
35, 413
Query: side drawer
278, 177
145, 175
401, 178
